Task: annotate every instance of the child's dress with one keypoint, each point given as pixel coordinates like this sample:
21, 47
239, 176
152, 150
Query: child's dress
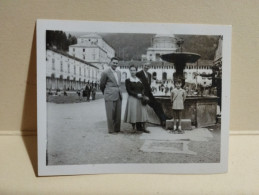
177, 97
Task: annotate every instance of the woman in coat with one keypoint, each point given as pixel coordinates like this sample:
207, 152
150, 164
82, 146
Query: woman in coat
136, 109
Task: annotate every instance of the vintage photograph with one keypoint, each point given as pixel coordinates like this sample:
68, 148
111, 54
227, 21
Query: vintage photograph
132, 97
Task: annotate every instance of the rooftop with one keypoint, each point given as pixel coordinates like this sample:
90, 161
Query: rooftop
163, 63
71, 57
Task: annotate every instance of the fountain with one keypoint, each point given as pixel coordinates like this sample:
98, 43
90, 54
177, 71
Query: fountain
202, 110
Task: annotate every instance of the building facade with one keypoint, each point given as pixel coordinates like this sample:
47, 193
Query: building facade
83, 63
161, 44
163, 71
65, 72
93, 49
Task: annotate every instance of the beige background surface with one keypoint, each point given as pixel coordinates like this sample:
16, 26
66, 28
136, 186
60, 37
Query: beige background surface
18, 94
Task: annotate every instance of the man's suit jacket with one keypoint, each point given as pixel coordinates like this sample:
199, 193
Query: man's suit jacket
109, 86
146, 82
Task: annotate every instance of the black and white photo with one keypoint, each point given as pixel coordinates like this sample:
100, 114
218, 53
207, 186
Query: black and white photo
118, 97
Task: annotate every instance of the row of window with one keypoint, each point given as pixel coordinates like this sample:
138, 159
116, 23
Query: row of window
68, 68
172, 67
164, 75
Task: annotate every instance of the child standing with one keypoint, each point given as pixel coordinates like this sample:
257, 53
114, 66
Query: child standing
178, 96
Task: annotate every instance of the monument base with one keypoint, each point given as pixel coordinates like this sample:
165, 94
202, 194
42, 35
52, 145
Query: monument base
202, 111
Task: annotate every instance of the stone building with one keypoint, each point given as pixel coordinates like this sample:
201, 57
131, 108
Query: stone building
93, 49
83, 63
66, 72
161, 44
163, 71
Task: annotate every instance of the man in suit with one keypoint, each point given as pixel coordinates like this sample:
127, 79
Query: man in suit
145, 78
110, 86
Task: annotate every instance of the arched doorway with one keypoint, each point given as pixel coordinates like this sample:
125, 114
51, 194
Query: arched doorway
124, 76
68, 87
154, 75
52, 81
164, 76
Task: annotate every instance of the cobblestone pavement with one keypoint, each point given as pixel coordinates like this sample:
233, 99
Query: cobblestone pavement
77, 134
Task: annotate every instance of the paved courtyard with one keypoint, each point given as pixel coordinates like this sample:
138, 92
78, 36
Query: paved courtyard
77, 134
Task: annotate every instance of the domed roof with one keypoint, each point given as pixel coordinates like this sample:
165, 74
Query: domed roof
91, 35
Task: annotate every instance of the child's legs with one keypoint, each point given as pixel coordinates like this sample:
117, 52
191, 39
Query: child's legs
180, 117
175, 117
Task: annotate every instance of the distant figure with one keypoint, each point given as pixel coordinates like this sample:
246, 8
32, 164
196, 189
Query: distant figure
162, 88
65, 93
79, 94
216, 77
110, 86
178, 97
166, 90
93, 92
86, 92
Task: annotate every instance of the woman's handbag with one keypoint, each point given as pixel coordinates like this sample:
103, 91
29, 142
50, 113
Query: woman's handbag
144, 100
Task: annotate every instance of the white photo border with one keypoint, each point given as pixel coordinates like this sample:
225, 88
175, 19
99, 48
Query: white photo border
129, 27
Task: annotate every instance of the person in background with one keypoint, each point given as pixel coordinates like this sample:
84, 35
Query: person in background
216, 77
87, 92
93, 92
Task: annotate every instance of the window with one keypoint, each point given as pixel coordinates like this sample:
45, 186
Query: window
80, 71
74, 69
68, 68
53, 64
73, 49
203, 78
83, 50
61, 66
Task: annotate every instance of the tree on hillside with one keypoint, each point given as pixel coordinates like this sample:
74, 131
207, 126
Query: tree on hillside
59, 40
200, 44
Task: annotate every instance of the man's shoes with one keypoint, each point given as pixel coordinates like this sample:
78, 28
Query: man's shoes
145, 131
114, 132
163, 123
168, 118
